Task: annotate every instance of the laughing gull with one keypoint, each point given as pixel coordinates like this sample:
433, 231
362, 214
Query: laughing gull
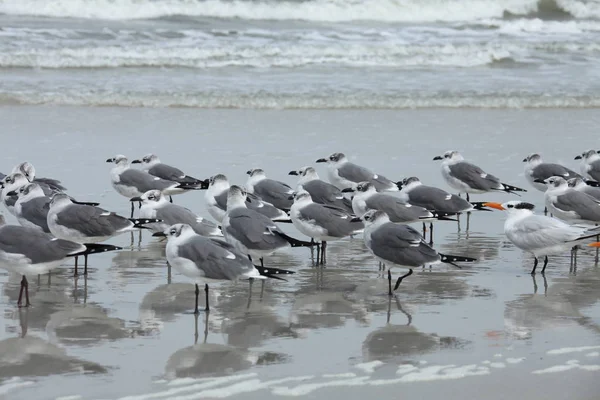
130, 182
32, 206
344, 174
251, 232
216, 201
320, 222
320, 191
156, 206
269, 190
401, 245
10, 184
537, 171
27, 251
469, 178
590, 164
538, 234
569, 204
28, 170
210, 260
87, 224
580, 185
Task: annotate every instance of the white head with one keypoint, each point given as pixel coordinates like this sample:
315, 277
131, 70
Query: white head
14, 181
147, 161
533, 159
256, 174
514, 207
334, 159
409, 183
179, 232
450, 155
555, 182
365, 188
29, 191
588, 155
27, 169
302, 198
120, 160
236, 197
60, 200
576, 183
151, 197
305, 174
375, 218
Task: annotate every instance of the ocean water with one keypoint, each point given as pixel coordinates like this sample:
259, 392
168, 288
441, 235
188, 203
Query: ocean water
301, 53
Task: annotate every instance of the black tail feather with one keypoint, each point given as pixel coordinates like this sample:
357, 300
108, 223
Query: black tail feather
592, 183
479, 205
140, 222
283, 221
273, 272
451, 259
512, 189
92, 248
294, 242
85, 203
441, 216
196, 185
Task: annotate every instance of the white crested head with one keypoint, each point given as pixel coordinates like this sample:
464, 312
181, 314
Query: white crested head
409, 183
179, 232
335, 159
27, 169
147, 161
153, 197
576, 183
450, 156
590, 155
60, 200
119, 160
365, 188
302, 197
555, 182
375, 217
236, 197
307, 174
30, 191
14, 181
533, 159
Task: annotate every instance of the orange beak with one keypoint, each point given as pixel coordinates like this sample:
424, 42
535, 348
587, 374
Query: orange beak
595, 244
497, 206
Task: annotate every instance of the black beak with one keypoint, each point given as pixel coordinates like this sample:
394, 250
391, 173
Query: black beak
135, 199
293, 173
291, 197
322, 160
355, 219
438, 158
578, 158
11, 193
159, 234
525, 159
399, 184
248, 172
539, 181
248, 200
348, 190
110, 160
136, 162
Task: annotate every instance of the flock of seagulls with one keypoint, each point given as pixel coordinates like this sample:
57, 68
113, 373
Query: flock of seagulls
247, 219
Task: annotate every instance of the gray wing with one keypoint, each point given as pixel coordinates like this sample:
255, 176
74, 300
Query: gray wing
546, 170
170, 173
266, 209
592, 191
325, 193
90, 220
336, 221
397, 210
401, 245
382, 183
474, 176
274, 192
586, 206
210, 256
354, 173
436, 199
54, 184
254, 230
143, 181
36, 212
594, 170
172, 214
10, 200
35, 245
221, 200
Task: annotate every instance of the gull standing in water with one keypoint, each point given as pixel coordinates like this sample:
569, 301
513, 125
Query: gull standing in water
537, 171
320, 191
569, 204
539, 234
216, 201
469, 178
400, 245
156, 206
345, 174
320, 222
252, 233
28, 251
580, 185
209, 260
269, 190
590, 164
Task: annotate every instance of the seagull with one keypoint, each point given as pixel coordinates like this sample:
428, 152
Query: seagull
216, 201
469, 178
580, 185
130, 182
11, 183
344, 174
28, 251
32, 206
536, 171
87, 224
539, 234
151, 164
320, 191
269, 190
569, 204
27, 169
590, 164
209, 260
250, 232
400, 245
156, 206
320, 222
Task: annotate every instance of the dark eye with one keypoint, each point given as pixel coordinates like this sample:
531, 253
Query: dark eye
510, 206
173, 231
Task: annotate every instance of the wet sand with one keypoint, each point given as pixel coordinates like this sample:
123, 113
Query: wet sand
488, 330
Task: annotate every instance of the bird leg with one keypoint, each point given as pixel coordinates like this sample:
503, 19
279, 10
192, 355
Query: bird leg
132, 208
424, 230
323, 252
469, 200
262, 262
197, 293
76, 259
390, 293
24, 286
170, 199
207, 309
431, 233
535, 264
399, 281
545, 264
85, 256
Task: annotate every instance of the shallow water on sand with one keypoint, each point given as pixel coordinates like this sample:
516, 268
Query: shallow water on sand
127, 330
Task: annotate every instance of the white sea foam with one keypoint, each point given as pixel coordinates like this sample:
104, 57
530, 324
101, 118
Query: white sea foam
568, 350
